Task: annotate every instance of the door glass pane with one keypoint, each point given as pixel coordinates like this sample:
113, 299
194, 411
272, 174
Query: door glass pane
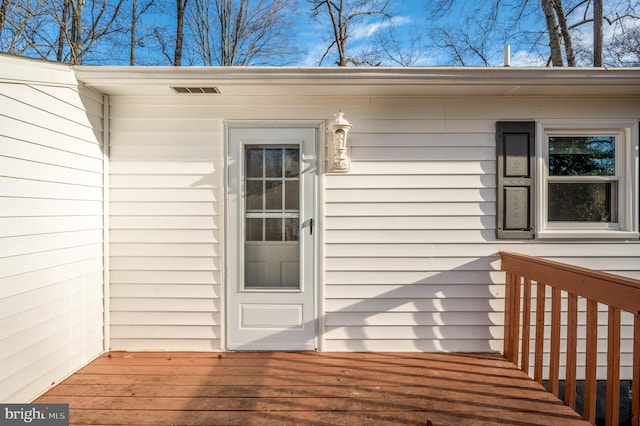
582, 202
254, 195
254, 162
292, 195
274, 163
273, 231
291, 162
273, 195
253, 230
291, 229
272, 217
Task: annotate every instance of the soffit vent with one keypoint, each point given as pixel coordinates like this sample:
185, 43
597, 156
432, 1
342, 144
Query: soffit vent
211, 90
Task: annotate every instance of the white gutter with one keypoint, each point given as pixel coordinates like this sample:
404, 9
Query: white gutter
93, 75
359, 81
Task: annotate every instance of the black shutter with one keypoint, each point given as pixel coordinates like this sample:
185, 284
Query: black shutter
515, 148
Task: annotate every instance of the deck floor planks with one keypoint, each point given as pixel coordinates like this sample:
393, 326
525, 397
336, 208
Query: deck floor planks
247, 388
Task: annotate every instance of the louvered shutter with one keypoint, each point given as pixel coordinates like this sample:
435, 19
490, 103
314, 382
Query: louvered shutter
515, 147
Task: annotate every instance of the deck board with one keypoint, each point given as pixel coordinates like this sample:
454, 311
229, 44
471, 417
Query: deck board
256, 388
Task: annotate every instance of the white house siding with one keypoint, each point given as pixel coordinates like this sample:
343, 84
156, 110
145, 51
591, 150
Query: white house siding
166, 216
51, 236
408, 253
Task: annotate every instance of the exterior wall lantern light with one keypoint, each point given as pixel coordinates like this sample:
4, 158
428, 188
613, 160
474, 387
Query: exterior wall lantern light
339, 148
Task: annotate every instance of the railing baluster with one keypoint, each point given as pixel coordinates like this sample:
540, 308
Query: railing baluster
515, 325
508, 316
526, 326
635, 390
572, 346
613, 367
539, 355
590, 382
554, 356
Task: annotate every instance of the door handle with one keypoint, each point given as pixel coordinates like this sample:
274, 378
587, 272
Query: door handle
310, 226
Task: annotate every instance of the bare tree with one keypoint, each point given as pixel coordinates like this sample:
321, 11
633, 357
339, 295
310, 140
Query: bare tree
134, 22
19, 25
181, 6
340, 17
403, 51
3, 13
135, 40
74, 40
562, 34
625, 47
242, 32
552, 30
597, 33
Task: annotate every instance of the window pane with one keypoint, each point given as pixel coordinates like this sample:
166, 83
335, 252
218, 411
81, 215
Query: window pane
273, 231
254, 162
274, 195
253, 230
273, 162
291, 162
291, 230
254, 195
582, 156
292, 195
582, 202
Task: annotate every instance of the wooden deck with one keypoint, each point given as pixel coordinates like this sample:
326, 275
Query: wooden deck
255, 388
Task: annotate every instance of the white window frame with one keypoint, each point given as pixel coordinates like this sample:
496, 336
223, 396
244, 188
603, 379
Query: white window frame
626, 158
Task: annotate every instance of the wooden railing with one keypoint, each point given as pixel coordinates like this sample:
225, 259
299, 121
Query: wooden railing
617, 293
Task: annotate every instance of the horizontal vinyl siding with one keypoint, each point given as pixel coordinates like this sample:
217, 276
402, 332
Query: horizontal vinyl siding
166, 192
413, 189
51, 274
410, 255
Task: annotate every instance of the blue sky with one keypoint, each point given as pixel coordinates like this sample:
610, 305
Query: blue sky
411, 13
407, 15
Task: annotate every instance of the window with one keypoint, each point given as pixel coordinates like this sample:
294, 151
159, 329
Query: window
567, 180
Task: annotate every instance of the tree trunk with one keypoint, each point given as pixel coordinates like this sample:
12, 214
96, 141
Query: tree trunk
177, 57
63, 34
552, 30
134, 20
76, 31
597, 33
564, 30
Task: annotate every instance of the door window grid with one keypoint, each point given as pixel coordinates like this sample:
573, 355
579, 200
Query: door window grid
272, 186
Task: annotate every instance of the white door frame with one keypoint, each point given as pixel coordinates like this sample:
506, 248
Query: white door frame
231, 226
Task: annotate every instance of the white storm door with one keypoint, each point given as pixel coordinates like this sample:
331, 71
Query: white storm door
270, 283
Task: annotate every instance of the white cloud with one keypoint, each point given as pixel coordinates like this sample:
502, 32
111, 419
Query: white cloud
523, 58
366, 30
